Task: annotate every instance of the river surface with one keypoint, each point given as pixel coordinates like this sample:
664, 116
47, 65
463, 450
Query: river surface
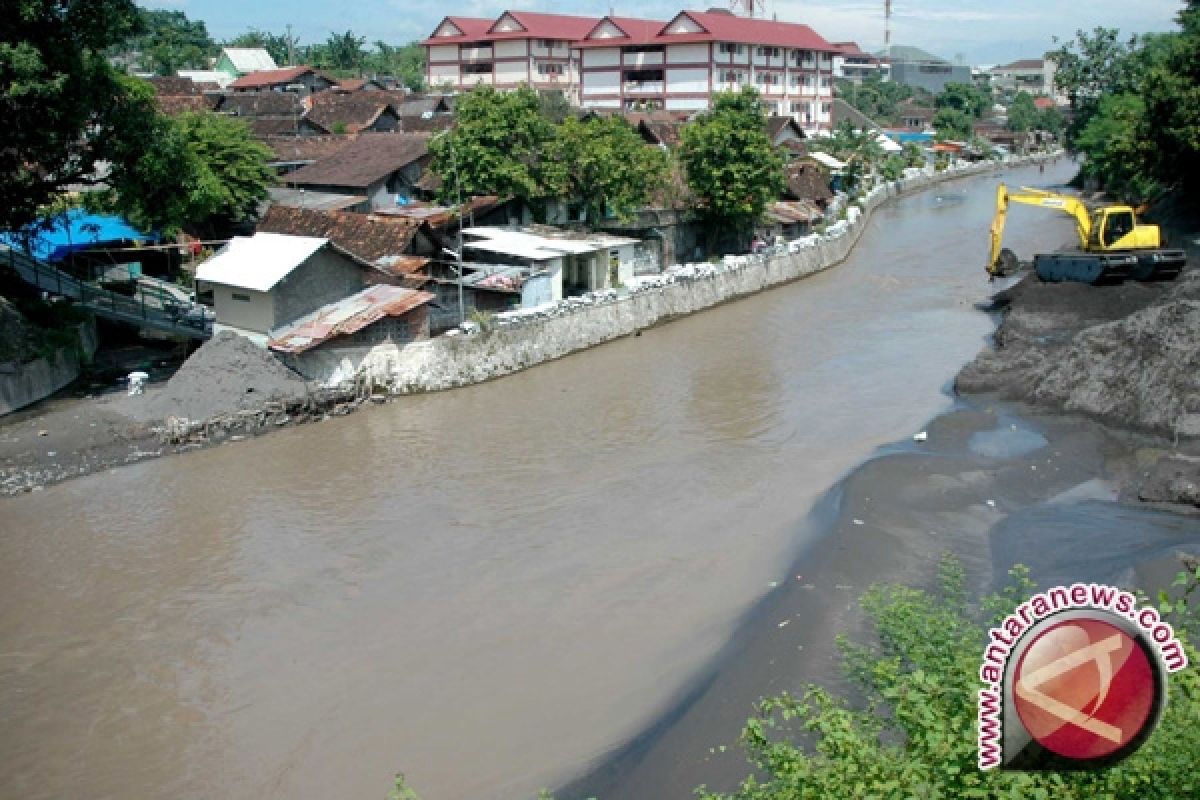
487, 589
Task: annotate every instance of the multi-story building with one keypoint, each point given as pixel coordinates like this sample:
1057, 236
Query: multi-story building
913, 66
1033, 75
851, 63
642, 64
621, 63
521, 47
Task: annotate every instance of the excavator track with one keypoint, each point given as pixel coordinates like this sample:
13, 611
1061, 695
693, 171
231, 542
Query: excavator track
1098, 269
1158, 265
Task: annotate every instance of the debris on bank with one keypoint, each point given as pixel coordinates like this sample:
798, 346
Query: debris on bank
1128, 356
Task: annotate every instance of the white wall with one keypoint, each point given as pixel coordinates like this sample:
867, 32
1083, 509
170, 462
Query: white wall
687, 53
441, 72
602, 57
511, 71
443, 52
686, 103
509, 48
687, 80
602, 83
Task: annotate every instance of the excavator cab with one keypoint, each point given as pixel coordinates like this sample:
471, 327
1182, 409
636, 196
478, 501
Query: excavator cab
1118, 223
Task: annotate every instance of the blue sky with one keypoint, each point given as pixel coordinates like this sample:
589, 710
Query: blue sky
979, 33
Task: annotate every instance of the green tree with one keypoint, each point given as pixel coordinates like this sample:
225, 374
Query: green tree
605, 166
1115, 152
274, 43
914, 733
730, 163
1091, 66
344, 51
1171, 93
965, 97
1022, 113
406, 63
952, 124
496, 147
1052, 120
172, 42
857, 148
63, 106
198, 171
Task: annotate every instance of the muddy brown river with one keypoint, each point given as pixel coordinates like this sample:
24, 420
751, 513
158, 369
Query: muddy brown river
487, 589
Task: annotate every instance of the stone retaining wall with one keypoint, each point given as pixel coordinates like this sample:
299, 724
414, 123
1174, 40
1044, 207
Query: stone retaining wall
517, 340
24, 384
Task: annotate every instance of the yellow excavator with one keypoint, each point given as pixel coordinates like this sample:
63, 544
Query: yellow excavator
1113, 245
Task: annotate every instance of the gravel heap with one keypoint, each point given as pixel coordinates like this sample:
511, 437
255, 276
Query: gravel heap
1128, 355
228, 373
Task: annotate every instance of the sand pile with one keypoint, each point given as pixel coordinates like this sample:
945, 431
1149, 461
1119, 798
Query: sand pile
1127, 354
227, 374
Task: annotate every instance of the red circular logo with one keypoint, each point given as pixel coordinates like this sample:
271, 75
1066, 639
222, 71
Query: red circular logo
1084, 689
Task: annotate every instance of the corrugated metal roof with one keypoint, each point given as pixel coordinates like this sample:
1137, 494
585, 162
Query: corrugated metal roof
795, 211
346, 316
249, 59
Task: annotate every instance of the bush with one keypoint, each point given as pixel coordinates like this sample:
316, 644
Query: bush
915, 734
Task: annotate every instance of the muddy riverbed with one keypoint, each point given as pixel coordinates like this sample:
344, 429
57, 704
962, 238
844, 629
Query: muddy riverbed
490, 589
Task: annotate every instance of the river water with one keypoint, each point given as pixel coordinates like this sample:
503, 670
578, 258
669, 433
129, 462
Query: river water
486, 589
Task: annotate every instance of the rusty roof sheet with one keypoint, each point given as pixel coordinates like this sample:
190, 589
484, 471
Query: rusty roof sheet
795, 211
346, 316
370, 237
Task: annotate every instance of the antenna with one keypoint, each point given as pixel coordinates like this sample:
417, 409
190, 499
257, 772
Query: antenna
887, 28
751, 7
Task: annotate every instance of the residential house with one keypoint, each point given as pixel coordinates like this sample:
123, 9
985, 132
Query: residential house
1033, 75
177, 95
384, 167
914, 117
913, 66
785, 131
201, 76
238, 61
291, 153
370, 317
519, 47
660, 128
298, 79
554, 263
360, 85
339, 112
399, 247
261, 282
851, 63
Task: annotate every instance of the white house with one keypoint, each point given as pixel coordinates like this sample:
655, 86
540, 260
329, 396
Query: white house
238, 61
262, 282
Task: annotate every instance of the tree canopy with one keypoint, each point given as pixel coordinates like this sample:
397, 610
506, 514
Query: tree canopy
730, 163
605, 165
1022, 113
64, 109
964, 97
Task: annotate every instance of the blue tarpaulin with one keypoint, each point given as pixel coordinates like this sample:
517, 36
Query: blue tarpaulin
904, 137
77, 230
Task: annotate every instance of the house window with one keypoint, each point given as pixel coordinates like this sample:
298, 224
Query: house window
769, 52
824, 81
548, 44
244, 298
729, 76
826, 108
799, 56
477, 69
643, 48
766, 79
550, 69
729, 48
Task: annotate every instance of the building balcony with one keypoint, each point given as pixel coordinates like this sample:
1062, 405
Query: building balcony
475, 54
645, 87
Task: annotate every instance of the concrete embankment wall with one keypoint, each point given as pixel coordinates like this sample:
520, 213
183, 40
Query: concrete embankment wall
24, 384
516, 341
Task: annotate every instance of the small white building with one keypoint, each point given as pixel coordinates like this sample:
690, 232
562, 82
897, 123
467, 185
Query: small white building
561, 263
262, 282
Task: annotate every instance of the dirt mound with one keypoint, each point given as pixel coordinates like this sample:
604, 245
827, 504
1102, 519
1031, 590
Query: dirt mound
229, 373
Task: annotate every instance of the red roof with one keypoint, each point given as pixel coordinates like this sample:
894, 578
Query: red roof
637, 31
1043, 102
724, 27
270, 77
473, 28
544, 26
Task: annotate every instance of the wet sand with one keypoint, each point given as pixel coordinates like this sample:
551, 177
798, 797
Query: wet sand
995, 484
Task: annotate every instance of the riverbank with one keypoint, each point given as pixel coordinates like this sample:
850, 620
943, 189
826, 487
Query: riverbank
87, 435
996, 484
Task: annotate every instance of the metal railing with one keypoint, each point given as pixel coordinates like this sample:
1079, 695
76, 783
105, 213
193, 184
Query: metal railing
150, 307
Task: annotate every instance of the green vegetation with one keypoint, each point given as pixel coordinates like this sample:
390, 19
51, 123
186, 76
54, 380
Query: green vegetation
200, 171
1136, 107
505, 144
64, 109
275, 44
878, 99
857, 148
730, 163
959, 106
914, 732
169, 42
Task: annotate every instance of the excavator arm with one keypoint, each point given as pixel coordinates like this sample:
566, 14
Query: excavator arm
1071, 206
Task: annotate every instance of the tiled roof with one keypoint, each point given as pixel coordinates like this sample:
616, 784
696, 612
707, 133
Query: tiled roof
261, 104
1025, 63
435, 123
364, 161
473, 28
173, 87
544, 26
722, 26
416, 106
777, 124
805, 181
843, 111
305, 148
354, 111
637, 31
370, 237
282, 126
177, 104
270, 77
